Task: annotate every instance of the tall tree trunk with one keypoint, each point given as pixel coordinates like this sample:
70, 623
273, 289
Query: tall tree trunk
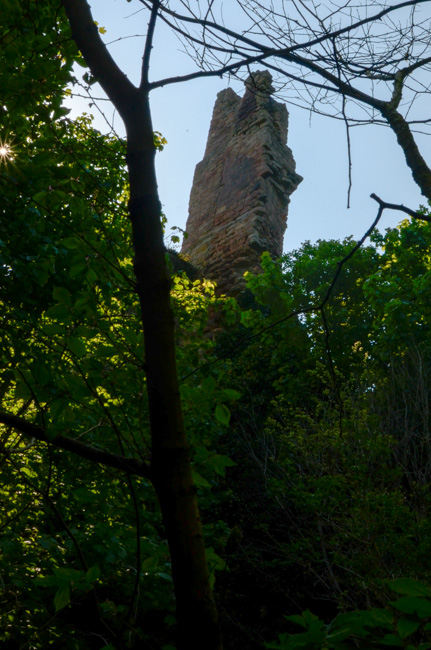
171, 473
170, 462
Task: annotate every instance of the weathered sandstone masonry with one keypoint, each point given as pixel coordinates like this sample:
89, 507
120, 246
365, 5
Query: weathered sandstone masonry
241, 188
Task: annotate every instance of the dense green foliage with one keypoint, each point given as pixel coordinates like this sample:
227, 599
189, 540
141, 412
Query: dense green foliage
76, 538
309, 426
333, 438
403, 623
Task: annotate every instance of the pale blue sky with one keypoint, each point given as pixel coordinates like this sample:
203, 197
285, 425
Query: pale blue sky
182, 113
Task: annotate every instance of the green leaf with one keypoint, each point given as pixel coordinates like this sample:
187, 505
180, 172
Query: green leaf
406, 627
61, 112
391, 640
284, 640
41, 276
76, 346
409, 587
231, 394
81, 61
215, 563
379, 616
165, 576
412, 605
311, 618
91, 276
219, 462
298, 619
199, 480
68, 574
58, 312
71, 242
106, 352
76, 269
62, 597
150, 564
28, 472
92, 574
209, 385
52, 328
357, 622
37, 198
57, 409
41, 374
61, 294
23, 379
222, 414
339, 635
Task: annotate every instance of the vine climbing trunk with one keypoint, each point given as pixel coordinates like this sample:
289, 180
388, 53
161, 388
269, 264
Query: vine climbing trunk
170, 472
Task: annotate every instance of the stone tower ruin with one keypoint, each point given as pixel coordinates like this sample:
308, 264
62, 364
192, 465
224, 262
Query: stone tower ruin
241, 188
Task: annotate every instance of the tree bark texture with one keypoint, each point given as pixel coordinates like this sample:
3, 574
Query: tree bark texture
420, 170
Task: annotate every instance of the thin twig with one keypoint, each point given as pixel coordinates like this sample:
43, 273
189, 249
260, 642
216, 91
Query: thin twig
401, 208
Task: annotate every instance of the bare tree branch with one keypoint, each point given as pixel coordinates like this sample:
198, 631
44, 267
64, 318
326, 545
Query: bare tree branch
149, 45
395, 206
203, 22
114, 82
335, 59
93, 454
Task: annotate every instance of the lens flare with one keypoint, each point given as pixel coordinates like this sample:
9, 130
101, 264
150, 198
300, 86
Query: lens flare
6, 151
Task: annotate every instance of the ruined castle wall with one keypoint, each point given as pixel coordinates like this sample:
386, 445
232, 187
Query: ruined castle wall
241, 188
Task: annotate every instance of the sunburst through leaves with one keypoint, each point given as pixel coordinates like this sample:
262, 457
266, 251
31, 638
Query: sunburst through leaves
6, 151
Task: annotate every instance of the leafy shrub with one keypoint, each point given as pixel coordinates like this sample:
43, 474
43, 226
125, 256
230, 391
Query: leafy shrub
402, 623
